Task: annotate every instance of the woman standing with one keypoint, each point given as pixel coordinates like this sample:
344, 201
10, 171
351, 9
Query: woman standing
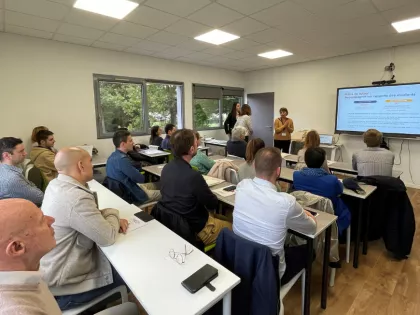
244, 120
312, 141
231, 119
283, 129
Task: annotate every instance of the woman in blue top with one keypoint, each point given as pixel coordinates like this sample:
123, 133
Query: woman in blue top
317, 181
201, 161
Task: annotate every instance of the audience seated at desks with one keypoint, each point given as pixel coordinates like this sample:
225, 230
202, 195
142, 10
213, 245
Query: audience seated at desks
263, 215
42, 156
155, 136
316, 180
185, 192
237, 145
76, 270
13, 184
373, 160
247, 170
169, 130
26, 236
119, 167
312, 140
201, 161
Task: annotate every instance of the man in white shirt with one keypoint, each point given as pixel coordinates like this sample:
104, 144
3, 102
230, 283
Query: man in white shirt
263, 215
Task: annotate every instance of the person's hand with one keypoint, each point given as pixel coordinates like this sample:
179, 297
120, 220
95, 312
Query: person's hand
123, 226
309, 214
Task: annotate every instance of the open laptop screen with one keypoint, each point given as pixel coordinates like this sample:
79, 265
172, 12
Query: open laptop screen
326, 139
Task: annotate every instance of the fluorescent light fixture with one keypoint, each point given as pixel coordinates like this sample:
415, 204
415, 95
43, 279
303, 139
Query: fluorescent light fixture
407, 25
216, 37
275, 54
114, 8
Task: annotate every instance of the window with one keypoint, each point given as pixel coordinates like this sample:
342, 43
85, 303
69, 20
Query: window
212, 104
136, 104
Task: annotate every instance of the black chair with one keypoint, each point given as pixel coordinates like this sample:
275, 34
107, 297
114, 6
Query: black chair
119, 189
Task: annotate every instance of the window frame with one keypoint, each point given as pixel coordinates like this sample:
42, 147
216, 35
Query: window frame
220, 99
123, 79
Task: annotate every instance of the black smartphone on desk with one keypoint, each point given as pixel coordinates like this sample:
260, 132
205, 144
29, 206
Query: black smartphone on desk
144, 216
230, 188
200, 278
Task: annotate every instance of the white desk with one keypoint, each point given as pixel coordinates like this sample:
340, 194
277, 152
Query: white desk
98, 161
141, 258
329, 147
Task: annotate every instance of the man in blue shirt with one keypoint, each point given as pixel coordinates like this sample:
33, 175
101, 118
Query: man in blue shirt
13, 183
119, 167
166, 143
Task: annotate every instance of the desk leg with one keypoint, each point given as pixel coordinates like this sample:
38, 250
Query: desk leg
325, 266
227, 303
358, 232
366, 233
308, 277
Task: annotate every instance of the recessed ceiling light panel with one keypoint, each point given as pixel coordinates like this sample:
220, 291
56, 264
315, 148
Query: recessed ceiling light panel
275, 54
407, 25
216, 37
114, 8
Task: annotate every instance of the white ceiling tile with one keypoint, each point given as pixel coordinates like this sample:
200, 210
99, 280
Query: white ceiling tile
188, 28
406, 12
185, 59
27, 31
384, 5
218, 60
265, 36
1, 28
1, 4
317, 6
42, 8
279, 39
244, 27
249, 7
215, 15
195, 45
73, 40
240, 44
30, 21
104, 45
151, 46
259, 49
139, 51
119, 39
217, 50
2, 13
256, 61
79, 31
69, 3
348, 11
178, 7
199, 56
133, 30
92, 20
238, 55
173, 53
167, 38
151, 17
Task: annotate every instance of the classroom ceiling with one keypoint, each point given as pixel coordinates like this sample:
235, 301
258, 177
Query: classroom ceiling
310, 29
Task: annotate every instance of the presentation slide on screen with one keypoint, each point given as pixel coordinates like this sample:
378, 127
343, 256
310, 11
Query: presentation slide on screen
390, 109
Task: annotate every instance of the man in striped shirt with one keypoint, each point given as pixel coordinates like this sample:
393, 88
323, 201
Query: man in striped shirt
13, 183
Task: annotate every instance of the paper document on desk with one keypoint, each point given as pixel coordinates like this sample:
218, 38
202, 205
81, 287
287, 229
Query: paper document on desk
284, 155
225, 160
224, 193
134, 223
212, 181
152, 152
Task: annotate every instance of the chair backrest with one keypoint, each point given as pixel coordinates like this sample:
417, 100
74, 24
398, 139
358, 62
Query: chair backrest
118, 188
34, 175
171, 156
234, 178
258, 269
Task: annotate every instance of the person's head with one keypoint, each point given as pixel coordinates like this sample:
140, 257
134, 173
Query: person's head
236, 108
12, 151
314, 157
246, 110
26, 235
372, 138
76, 163
156, 131
198, 137
312, 140
123, 141
238, 133
184, 144
283, 112
45, 139
170, 129
268, 164
252, 148
35, 131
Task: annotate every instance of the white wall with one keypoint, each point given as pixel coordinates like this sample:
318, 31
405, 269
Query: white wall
50, 83
308, 90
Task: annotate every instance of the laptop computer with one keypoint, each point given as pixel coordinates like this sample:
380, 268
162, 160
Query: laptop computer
326, 139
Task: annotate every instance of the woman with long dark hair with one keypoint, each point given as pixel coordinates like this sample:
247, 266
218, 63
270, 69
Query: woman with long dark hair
231, 118
155, 138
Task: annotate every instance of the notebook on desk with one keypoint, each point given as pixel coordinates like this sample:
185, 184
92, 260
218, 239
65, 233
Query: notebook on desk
212, 181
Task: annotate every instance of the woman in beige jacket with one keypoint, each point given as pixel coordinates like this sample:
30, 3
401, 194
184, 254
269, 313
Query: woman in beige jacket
283, 129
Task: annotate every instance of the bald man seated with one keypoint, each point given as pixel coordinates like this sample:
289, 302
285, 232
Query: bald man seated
25, 236
76, 271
